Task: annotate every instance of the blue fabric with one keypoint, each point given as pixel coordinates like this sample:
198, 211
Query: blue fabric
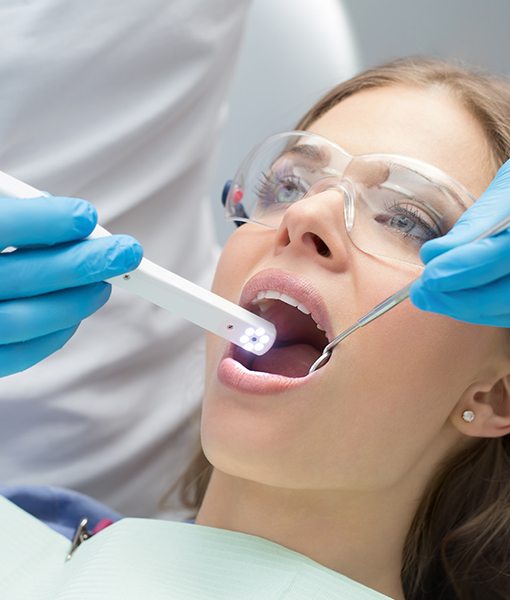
59, 508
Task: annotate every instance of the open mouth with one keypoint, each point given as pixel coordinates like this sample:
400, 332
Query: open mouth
300, 340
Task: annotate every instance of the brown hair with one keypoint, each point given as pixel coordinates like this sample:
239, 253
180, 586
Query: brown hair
458, 546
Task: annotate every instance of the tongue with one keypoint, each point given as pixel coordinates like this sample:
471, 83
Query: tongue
294, 360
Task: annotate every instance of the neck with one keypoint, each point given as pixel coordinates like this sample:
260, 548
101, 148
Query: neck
359, 534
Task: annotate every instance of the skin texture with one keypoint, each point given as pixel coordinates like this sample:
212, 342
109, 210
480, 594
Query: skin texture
335, 470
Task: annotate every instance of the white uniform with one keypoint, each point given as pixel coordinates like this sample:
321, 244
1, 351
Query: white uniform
121, 104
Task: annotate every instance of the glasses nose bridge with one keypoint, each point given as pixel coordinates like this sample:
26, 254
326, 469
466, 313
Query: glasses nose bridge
346, 188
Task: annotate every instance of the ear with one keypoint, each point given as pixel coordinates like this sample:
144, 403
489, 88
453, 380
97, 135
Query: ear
490, 404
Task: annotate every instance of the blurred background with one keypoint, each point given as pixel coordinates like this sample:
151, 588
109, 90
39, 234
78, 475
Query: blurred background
295, 50
470, 30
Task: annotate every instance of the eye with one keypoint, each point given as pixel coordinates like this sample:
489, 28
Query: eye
408, 220
280, 188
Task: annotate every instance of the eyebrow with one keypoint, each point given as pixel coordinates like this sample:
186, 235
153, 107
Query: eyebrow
453, 194
455, 197
310, 152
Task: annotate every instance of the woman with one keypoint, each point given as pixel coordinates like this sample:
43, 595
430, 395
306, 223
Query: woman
370, 468
373, 466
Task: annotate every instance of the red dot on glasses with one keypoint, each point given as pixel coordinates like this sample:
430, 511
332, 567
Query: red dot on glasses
238, 196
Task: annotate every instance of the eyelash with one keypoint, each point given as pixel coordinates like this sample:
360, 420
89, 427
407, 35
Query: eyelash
262, 185
265, 183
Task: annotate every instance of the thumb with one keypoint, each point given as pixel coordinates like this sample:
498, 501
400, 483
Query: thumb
489, 209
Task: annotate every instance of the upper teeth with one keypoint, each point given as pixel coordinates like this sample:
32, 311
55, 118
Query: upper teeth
274, 295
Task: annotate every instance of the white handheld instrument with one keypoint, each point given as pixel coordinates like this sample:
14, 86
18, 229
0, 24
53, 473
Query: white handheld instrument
176, 294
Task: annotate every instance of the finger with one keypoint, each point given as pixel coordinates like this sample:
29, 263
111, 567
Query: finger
44, 221
32, 272
28, 318
470, 265
488, 210
486, 305
21, 356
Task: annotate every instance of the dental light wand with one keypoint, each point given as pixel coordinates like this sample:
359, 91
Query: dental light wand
391, 302
176, 294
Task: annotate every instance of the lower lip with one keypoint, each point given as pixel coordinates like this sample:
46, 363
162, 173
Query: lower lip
234, 375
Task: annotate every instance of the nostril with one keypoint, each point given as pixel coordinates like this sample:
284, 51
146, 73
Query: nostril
322, 248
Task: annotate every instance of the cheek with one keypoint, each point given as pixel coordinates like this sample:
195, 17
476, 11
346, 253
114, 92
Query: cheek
395, 385
229, 270
413, 350
243, 251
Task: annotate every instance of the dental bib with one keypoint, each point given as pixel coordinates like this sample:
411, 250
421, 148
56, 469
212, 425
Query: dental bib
156, 560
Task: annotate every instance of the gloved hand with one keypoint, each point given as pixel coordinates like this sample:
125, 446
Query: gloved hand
55, 278
467, 280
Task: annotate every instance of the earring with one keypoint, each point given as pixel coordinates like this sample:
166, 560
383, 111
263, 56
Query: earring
468, 416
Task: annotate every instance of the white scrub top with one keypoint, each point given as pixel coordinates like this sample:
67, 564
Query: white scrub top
121, 103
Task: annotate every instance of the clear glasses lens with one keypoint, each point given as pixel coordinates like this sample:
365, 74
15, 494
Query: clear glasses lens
396, 204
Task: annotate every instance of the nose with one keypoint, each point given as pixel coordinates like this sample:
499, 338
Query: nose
315, 227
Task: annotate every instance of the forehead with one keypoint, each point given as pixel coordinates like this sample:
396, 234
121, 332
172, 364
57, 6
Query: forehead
427, 124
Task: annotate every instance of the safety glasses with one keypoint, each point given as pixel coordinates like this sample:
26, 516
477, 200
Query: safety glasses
392, 204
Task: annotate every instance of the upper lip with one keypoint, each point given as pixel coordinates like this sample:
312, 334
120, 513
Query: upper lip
288, 283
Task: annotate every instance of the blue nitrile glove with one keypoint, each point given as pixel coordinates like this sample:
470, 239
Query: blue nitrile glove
55, 278
466, 280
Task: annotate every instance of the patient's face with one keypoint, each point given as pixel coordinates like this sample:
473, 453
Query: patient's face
383, 403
